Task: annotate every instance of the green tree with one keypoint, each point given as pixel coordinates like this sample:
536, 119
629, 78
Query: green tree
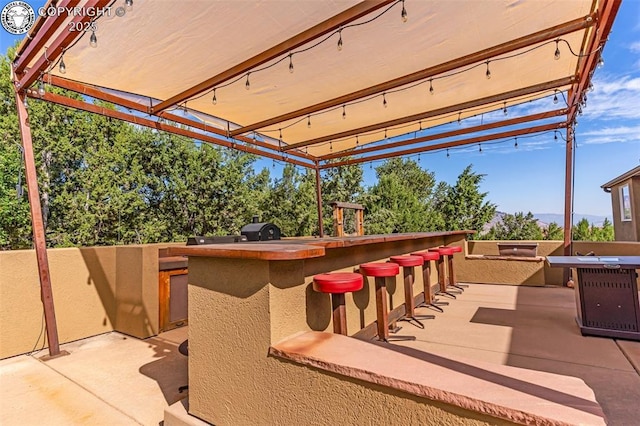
463, 206
553, 232
516, 227
399, 201
291, 202
581, 231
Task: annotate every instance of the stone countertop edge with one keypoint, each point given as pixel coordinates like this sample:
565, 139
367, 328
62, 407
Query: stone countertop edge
439, 382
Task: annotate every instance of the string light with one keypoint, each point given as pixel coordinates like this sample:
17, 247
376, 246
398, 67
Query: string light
420, 124
371, 165
309, 121
340, 40
479, 147
556, 54
330, 146
63, 67
516, 144
291, 63
357, 142
247, 85
590, 87
555, 135
431, 86
600, 62
385, 133
214, 99
254, 137
93, 40
26, 104
555, 97
459, 116
504, 109
41, 90
488, 73
448, 153
344, 112
403, 14
384, 100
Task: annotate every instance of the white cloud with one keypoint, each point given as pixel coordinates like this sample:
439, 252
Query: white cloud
635, 47
619, 134
614, 98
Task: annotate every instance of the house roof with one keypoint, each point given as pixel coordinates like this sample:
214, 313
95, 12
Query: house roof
635, 172
165, 61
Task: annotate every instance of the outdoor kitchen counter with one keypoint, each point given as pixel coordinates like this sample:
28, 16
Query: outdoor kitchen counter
246, 297
300, 248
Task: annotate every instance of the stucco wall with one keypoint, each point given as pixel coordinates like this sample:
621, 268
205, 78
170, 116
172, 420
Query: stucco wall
628, 230
513, 271
95, 290
233, 380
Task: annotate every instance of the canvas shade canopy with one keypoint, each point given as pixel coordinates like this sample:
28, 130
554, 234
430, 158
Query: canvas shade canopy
163, 62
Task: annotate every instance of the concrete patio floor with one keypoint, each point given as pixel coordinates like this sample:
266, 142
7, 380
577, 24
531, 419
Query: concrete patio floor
119, 380
110, 379
534, 328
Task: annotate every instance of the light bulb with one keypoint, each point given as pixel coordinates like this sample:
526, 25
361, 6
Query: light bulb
26, 104
431, 86
479, 147
330, 146
357, 141
63, 67
128, 4
555, 98
516, 144
384, 100
291, 63
459, 123
41, 90
555, 136
403, 14
556, 54
340, 41
93, 40
600, 62
488, 73
448, 153
309, 121
247, 85
504, 109
385, 133
214, 100
344, 113
590, 87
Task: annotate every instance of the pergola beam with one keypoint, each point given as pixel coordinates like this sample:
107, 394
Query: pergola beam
359, 10
450, 134
37, 224
445, 145
483, 55
541, 87
55, 49
141, 121
97, 93
586, 65
42, 35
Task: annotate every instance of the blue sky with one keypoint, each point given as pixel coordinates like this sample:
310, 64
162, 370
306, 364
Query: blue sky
531, 177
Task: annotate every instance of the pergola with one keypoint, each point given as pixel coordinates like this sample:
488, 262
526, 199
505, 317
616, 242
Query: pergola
318, 84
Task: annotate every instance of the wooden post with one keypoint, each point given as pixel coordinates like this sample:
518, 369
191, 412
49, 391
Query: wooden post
338, 220
319, 202
360, 222
568, 200
338, 217
38, 227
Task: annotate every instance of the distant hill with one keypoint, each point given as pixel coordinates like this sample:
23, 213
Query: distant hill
547, 218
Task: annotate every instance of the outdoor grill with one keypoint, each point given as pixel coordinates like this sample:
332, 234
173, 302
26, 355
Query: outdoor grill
260, 231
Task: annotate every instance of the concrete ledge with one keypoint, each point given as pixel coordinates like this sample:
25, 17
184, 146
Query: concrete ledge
498, 257
514, 394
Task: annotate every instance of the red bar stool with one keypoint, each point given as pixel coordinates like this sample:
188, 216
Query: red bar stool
444, 252
337, 284
452, 274
408, 263
429, 298
381, 271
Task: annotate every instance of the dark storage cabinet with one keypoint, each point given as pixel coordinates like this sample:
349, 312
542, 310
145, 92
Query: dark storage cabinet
606, 294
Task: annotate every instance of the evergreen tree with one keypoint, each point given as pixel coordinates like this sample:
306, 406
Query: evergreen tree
516, 227
553, 232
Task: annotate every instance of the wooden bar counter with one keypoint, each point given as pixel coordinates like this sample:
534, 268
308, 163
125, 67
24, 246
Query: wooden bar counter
246, 297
